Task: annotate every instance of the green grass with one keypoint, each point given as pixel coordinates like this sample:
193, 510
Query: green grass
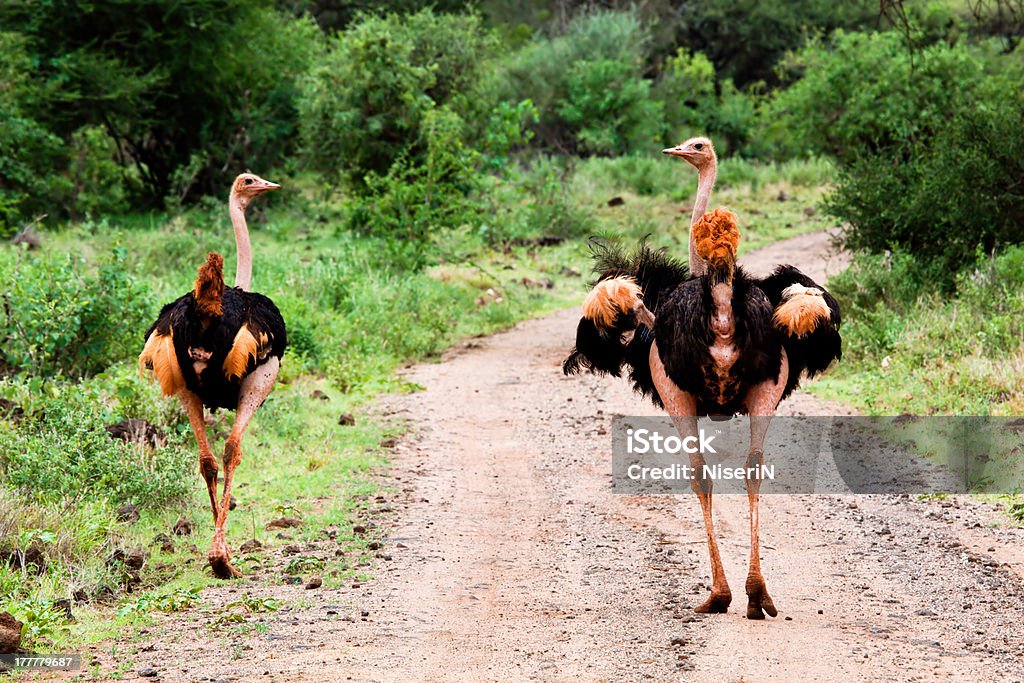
355, 315
909, 348
772, 201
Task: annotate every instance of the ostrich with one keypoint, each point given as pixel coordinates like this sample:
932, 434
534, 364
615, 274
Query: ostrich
719, 343
220, 347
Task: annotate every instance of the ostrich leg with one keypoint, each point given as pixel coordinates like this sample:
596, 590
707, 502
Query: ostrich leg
682, 408
193, 405
761, 401
255, 388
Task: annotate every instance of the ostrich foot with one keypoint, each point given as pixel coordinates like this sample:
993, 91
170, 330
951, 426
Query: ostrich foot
717, 603
220, 563
222, 568
758, 600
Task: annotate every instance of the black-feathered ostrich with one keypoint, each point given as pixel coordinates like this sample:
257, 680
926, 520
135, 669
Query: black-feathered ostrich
220, 347
720, 342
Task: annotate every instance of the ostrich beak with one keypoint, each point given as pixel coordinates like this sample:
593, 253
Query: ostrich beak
267, 185
673, 151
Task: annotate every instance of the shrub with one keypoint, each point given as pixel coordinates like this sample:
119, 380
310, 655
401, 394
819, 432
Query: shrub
745, 38
588, 85
365, 102
168, 79
945, 197
418, 197
59, 317
863, 93
928, 147
694, 104
608, 106
30, 155
99, 184
66, 454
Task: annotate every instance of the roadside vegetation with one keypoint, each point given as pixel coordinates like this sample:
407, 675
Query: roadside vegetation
442, 169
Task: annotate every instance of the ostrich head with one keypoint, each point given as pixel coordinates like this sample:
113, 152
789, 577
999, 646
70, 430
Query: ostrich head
249, 185
698, 152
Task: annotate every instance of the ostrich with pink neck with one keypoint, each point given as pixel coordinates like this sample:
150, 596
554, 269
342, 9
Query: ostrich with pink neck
699, 153
220, 347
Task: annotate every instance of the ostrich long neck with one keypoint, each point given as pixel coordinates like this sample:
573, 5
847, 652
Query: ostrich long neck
705, 181
243, 267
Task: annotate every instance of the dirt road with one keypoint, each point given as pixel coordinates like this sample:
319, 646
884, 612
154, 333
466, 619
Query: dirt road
510, 558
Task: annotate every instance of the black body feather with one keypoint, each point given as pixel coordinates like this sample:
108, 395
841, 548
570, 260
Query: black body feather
216, 335
683, 332
603, 352
682, 307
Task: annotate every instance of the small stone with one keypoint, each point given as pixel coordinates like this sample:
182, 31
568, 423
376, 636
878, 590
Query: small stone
64, 608
821, 611
358, 529
164, 542
10, 633
314, 583
319, 396
182, 527
284, 523
137, 431
616, 201
147, 673
251, 546
128, 513
347, 419
132, 558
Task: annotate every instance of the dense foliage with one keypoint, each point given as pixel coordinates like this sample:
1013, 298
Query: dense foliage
182, 89
61, 318
366, 102
929, 147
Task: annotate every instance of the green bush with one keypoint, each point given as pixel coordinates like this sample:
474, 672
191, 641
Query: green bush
30, 155
59, 317
929, 147
947, 197
863, 93
100, 185
588, 85
169, 81
66, 454
415, 199
365, 102
746, 38
694, 104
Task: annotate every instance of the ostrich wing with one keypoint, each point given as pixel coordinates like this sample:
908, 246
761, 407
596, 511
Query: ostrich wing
812, 341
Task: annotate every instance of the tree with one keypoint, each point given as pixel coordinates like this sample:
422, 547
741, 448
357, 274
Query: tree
209, 82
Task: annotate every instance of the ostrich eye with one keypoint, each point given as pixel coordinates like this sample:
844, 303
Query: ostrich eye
248, 181
699, 146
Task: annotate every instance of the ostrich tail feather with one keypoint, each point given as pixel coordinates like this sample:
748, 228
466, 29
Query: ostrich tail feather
209, 286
